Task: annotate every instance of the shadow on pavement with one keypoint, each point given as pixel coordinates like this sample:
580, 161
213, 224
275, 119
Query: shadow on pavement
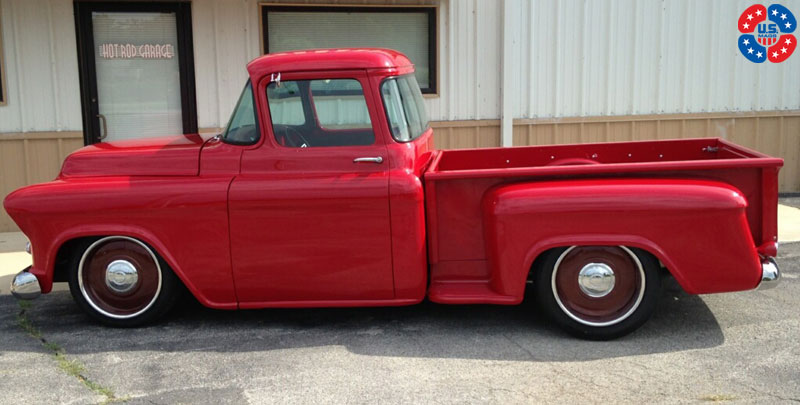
519, 333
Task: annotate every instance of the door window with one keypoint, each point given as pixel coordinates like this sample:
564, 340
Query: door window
318, 113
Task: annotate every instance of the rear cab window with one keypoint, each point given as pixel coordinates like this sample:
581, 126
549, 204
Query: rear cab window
405, 108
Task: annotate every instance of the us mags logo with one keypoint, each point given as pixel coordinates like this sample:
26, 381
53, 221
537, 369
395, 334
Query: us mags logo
767, 33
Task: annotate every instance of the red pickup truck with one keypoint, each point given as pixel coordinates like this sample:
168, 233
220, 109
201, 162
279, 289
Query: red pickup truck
325, 190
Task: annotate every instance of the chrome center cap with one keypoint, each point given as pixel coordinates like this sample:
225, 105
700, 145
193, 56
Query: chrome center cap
596, 279
121, 276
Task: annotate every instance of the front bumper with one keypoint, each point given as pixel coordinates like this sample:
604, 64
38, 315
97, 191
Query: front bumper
25, 285
770, 274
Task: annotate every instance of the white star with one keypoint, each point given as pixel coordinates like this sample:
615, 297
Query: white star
783, 16
746, 41
788, 41
749, 16
750, 50
788, 25
746, 25
759, 54
774, 12
783, 50
758, 12
774, 54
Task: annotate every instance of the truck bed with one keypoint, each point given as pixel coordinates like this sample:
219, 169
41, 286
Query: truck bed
596, 158
457, 180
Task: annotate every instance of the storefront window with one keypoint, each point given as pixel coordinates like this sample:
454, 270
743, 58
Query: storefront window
138, 79
410, 30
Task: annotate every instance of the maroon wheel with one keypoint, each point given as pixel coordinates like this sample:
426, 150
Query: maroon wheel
119, 277
598, 286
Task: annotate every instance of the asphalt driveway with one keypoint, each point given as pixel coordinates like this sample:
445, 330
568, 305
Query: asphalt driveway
742, 347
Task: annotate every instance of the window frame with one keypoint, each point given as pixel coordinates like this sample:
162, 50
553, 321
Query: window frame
3, 82
432, 12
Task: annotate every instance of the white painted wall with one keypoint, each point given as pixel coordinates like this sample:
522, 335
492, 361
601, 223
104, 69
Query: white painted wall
568, 58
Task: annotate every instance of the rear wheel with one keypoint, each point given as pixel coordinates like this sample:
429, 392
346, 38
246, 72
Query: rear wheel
598, 292
120, 281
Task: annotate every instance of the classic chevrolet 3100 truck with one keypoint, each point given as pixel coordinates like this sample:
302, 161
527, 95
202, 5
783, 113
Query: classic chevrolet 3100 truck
325, 190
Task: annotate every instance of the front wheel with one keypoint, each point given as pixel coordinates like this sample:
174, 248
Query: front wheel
121, 281
598, 292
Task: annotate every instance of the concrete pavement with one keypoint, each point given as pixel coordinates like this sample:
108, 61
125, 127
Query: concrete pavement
739, 347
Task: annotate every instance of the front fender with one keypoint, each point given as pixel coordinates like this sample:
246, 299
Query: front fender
184, 218
698, 229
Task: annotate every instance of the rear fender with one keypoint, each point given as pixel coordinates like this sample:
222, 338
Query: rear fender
698, 229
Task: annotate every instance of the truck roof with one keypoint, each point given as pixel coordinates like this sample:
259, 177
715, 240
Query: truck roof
328, 59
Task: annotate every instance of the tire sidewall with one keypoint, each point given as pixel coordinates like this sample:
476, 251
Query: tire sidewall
546, 299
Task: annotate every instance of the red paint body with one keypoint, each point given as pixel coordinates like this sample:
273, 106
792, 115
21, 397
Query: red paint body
269, 226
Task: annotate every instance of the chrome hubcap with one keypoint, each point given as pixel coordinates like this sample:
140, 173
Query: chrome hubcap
121, 276
596, 279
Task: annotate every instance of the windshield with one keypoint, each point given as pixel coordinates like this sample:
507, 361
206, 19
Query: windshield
405, 108
242, 129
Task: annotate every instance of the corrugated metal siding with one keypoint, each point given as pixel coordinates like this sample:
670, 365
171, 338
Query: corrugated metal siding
622, 57
41, 66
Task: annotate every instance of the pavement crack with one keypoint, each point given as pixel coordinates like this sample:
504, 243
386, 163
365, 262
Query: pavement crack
71, 367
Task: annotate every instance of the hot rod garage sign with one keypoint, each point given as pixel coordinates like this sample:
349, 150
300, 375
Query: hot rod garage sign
129, 51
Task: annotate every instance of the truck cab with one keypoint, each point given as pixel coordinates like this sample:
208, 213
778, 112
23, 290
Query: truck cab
336, 165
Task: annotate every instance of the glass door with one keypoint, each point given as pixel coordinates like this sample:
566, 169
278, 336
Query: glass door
135, 70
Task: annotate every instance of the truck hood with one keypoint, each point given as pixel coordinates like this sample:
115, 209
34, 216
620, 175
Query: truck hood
163, 156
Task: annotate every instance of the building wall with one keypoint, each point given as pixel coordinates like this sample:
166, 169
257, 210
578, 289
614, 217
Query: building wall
577, 71
626, 57
41, 65
570, 59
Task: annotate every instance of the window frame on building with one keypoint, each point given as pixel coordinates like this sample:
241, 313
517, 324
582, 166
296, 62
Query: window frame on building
86, 58
432, 12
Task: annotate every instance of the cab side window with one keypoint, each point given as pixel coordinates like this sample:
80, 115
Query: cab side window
319, 113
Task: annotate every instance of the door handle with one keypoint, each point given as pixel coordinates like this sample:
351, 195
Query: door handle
368, 160
104, 134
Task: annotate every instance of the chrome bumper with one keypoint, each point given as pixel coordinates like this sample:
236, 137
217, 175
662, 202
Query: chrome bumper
770, 274
25, 286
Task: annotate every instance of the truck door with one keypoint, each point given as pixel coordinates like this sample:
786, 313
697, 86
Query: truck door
309, 214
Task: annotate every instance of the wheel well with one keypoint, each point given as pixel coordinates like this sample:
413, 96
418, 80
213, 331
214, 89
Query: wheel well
529, 280
65, 254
